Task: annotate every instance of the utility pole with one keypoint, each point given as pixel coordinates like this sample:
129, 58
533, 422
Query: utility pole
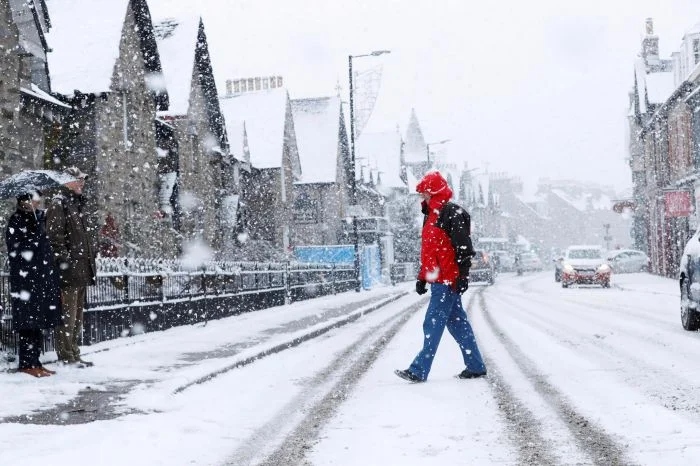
353, 182
607, 238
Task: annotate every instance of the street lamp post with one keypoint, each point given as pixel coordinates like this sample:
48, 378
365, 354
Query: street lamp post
427, 148
353, 181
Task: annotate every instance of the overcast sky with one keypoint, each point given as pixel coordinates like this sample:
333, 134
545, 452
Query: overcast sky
535, 88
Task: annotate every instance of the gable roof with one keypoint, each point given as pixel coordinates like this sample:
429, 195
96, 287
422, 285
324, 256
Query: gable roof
317, 127
177, 41
85, 45
383, 154
264, 113
416, 149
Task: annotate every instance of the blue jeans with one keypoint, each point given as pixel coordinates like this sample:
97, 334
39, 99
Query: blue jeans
445, 309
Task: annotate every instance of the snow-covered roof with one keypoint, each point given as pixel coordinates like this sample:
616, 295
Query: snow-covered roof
695, 29
585, 201
84, 39
177, 40
382, 151
640, 78
36, 92
264, 113
415, 150
238, 141
660, 86
317, 126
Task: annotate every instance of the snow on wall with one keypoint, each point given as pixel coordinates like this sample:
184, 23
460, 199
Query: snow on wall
85, 39
264, 113
317, 123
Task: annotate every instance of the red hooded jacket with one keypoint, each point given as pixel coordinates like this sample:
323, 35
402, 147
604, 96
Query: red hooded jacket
437, 256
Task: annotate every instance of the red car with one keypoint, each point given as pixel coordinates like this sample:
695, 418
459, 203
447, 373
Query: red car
585, 265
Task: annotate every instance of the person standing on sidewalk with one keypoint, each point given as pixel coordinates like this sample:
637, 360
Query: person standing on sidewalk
71, 239
34, 288
445, 261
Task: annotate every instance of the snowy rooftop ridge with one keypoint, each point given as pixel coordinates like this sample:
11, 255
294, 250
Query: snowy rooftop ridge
585, 201
264, 114
85, 42
317, 128
177, 41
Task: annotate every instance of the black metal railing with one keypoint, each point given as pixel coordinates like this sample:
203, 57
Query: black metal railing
136, 295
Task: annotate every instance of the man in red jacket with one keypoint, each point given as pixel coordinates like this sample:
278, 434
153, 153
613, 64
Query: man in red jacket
448, 277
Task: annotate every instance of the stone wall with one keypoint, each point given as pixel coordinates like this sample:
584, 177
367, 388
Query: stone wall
201, 179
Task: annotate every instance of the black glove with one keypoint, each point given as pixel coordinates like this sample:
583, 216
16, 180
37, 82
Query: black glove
462, 283
420, 287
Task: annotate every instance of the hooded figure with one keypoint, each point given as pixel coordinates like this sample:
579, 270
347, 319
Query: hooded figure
445, 247
34, 286
437, 259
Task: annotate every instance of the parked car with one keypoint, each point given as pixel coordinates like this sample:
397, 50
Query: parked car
503, 261
585, 265
482, 269
628, 261
530, 262
689, 277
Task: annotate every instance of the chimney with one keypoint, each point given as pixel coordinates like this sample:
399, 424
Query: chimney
650, 46
238, 86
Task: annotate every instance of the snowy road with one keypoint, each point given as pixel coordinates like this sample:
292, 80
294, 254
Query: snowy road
576, 376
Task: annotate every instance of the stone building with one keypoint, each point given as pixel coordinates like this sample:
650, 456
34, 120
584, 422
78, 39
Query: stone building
322, 194
267, 192
29, 114
664, 122
194, 146
105, 64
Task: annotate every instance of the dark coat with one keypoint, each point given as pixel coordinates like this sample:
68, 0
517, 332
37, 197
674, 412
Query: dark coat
70, 235
34, 288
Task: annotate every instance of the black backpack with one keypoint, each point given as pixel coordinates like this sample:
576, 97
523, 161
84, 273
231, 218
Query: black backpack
456, 222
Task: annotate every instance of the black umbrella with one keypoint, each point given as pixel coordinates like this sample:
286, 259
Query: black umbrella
32, 180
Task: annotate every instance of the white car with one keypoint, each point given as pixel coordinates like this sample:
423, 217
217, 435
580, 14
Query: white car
530, 262
505, 262
628, 261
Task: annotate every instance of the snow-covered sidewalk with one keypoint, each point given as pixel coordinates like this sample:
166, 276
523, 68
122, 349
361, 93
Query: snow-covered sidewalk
159, 363
647, 283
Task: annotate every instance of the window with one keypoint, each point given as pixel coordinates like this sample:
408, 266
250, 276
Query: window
305, 209
696, 51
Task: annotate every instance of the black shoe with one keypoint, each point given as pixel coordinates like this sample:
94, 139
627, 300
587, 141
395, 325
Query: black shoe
86, 363
408, 375
465, 374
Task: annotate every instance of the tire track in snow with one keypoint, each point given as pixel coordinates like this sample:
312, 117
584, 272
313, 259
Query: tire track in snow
524, 428
661, 385
593, 440
348, 367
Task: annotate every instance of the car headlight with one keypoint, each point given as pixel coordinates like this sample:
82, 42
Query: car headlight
568, 268
605, 268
